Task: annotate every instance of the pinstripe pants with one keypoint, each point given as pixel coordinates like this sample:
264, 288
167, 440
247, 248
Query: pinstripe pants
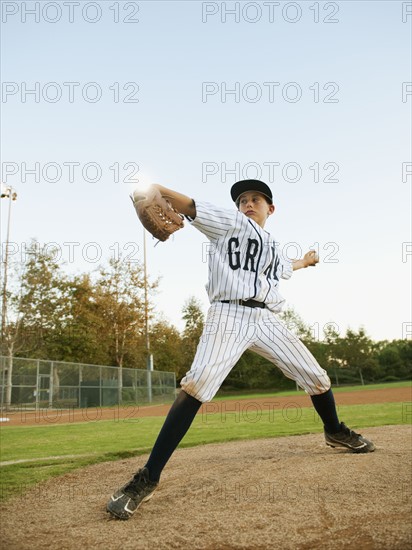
229, 331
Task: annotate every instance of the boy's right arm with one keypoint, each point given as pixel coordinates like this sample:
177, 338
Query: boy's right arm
182, 203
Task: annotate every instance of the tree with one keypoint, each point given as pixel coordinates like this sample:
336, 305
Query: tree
167, 348
330, 342
40, 301
355, 352
11, 334
295, 324
253, 371
37, 305
83, 337
119, 296
395, 359
194, 323
405, 352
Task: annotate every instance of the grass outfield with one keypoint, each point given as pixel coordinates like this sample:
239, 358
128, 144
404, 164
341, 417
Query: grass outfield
52, 450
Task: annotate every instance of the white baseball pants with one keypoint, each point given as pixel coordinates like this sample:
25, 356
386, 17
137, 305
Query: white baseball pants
229, 331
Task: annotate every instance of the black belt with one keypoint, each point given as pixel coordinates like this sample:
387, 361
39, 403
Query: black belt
246, 303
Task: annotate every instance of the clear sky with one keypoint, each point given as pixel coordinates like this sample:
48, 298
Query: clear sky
312, 97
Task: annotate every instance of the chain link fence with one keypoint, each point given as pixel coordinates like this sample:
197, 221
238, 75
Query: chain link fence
36, 383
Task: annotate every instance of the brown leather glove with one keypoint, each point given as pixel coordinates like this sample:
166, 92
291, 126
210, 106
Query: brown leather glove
156, 213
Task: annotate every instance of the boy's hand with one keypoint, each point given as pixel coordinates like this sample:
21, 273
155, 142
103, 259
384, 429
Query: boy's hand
310, 258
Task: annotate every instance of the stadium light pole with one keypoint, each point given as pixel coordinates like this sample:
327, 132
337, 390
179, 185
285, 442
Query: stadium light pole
149, 356
7, 192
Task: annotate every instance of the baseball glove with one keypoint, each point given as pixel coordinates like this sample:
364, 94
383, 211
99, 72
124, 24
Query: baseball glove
156, 213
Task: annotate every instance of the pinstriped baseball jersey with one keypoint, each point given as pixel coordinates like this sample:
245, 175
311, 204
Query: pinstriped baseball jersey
244, 261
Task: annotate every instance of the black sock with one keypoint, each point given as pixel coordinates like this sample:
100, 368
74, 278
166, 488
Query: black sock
177, 423
324, 404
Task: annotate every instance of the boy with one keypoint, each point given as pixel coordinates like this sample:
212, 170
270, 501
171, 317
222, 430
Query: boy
244, 270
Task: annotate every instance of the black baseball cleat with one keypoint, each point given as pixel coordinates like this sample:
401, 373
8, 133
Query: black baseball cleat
124, 502
349, 439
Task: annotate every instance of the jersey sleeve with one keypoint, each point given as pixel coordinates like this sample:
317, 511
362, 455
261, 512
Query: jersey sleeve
285, 269
212, 221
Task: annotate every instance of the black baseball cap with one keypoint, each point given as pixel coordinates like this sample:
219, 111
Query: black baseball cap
244, 186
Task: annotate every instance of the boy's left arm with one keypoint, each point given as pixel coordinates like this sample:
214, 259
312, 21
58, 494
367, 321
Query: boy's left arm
309, 259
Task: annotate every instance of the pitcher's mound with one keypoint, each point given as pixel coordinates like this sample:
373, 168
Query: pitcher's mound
287, 493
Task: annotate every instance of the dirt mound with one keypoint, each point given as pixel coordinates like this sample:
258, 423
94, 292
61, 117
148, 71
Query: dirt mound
287, 493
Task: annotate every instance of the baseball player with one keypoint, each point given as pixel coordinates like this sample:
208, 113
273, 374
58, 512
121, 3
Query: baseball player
245, 267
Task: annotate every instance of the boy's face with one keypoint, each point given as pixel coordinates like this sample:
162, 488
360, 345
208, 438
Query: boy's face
255, 206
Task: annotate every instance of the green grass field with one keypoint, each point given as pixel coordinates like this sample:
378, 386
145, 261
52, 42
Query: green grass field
51, 450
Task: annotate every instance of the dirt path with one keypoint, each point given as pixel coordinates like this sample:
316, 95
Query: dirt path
291, 493
46, 416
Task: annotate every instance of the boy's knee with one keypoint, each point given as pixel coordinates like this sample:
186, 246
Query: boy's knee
192, 388
322, 385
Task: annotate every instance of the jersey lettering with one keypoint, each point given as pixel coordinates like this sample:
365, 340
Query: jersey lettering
234, 257
275, 269
251, 252
268, 270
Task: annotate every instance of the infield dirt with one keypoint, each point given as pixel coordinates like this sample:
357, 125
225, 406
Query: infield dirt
284, 493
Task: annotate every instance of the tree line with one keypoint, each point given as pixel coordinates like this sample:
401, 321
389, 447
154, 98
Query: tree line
101, 318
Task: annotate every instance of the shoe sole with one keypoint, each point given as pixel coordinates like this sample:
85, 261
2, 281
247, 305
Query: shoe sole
359, 450
130, 514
